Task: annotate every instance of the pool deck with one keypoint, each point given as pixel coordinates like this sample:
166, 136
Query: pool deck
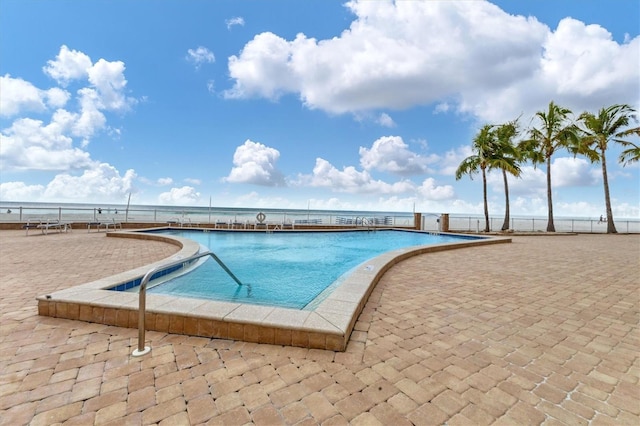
544, 330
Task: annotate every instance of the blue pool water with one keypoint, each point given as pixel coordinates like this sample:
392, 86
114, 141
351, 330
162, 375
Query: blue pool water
286, 269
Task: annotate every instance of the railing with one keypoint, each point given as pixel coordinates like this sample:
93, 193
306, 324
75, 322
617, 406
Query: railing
11, 213
204, 216
525, 224
142, 298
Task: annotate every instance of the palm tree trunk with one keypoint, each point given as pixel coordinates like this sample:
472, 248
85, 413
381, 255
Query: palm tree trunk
486, 205
505, 225
611, 227
550, 226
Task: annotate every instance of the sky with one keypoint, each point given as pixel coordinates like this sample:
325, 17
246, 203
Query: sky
321, 104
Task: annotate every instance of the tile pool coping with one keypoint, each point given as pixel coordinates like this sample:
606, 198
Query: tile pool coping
327, 326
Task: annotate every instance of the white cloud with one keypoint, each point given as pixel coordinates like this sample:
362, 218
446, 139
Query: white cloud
255, 163
531, 183
200, 55
385, 120
391, 154
20, 96
430, 191
183, 196
263, 69
350, 180
394, 55
90, 119
30, 145
566, 172
165, 181
238, 20
193, 181
19, 191
96, 184
471, 56
68, 65
108, 80
34, 144
452, 159
572, 172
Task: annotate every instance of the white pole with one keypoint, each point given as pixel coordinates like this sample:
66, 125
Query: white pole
126, 216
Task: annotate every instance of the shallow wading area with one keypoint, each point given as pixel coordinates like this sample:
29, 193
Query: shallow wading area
540, 331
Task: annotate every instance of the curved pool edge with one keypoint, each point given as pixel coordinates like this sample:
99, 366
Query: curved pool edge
327, 326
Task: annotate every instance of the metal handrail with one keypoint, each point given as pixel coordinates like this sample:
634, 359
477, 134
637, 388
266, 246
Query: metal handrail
142, 298
364, 221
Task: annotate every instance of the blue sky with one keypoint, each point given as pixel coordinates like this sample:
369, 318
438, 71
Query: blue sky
289, 104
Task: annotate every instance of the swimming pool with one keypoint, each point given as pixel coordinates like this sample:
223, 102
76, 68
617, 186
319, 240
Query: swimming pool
327, 325
291, 270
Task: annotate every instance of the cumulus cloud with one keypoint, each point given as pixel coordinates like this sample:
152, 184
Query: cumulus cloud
255, 163
68, 65
430, 191
98, 183
350, 180
531, 183
263, 68
200, 55
183, 196
238, 20
20, 96
20, 191
107, 78
31, 145
566, 172
38, 144
572, 172
452, 159
391, 154
468, 56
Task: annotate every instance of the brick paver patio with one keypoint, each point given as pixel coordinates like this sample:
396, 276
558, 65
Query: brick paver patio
544, 330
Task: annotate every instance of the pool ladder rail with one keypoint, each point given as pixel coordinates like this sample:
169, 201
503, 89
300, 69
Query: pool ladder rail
142, 298
364, 221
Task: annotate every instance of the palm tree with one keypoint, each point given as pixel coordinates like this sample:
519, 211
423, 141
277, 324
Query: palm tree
507, 156
555, 131
484, 145
632, 153
598, 130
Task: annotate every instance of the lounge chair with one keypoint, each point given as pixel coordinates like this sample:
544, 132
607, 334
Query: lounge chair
105, 224
222, 224
46, 225
184, 222
31, 224
113, 223
238, 225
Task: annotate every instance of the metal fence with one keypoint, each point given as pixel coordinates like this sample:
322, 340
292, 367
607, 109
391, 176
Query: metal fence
204, 216
523, 224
